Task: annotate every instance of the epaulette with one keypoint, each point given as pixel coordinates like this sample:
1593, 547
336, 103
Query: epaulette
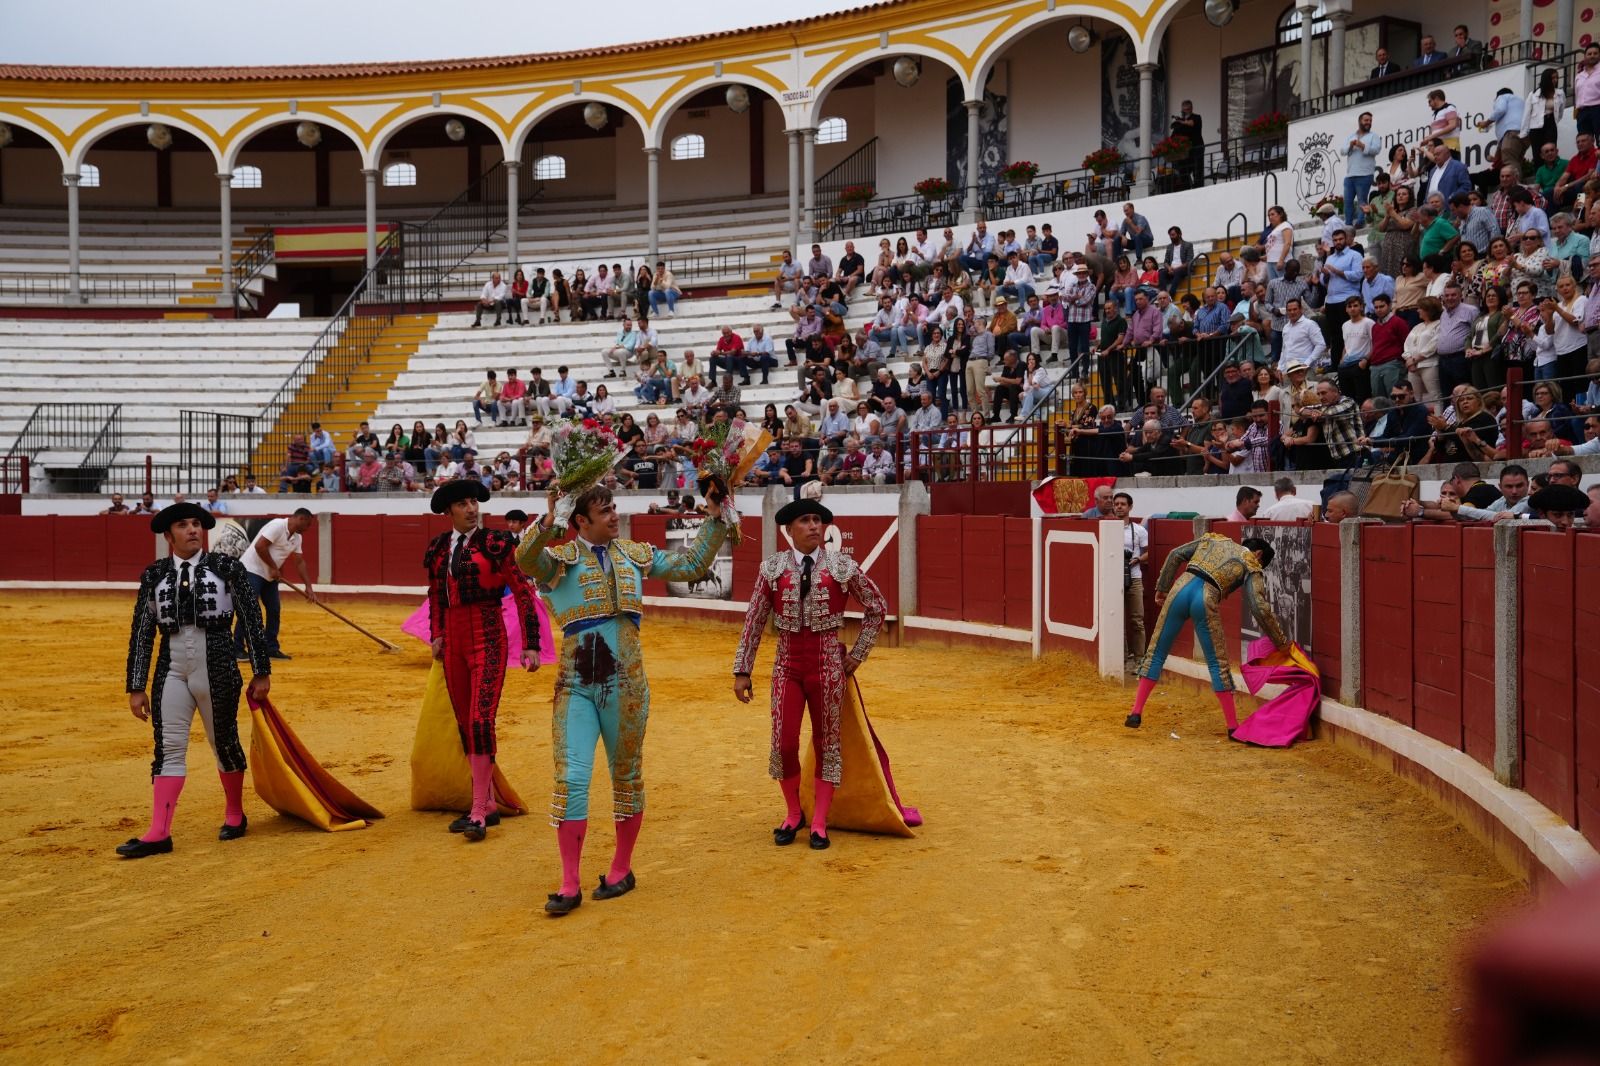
565, 553
637, 551
774, 566
843, 567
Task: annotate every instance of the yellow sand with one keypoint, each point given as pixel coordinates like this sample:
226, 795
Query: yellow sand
1081, 893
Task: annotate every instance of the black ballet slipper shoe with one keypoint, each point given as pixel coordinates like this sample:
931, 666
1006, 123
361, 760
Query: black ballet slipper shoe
557, 904
784, 837
819, 842
138, 849
1132, 721
621, 888
234, 832
475, 831
460, 824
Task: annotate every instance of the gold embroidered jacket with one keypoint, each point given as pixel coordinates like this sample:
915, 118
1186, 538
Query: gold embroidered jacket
1227, 565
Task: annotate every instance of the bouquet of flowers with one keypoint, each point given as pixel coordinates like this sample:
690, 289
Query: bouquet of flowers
583, 453
723, 454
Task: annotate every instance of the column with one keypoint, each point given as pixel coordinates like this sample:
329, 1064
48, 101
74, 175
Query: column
652, 170
794, 188
71, 182
1564, 27
371, 177
1147, 75
1525, 23
1350, 631
1508, 650
810, 141
1336, 50
225, 202
970, 204
513, 211
1307, 17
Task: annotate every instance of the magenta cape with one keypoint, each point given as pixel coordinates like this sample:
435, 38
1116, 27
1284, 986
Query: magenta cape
1282, 720
419, 626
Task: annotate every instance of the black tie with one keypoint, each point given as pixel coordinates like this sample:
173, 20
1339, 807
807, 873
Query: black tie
805, 577
459, 554
185, 597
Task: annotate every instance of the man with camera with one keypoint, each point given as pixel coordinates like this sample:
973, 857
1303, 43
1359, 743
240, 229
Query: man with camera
1135, 553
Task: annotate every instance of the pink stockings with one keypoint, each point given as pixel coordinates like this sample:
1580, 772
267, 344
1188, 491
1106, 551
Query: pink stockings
627, 836
569, 838
1146, 686
791, 799
482, 785
163, 806
233, 796
1228, 710
1225, 699
819, 817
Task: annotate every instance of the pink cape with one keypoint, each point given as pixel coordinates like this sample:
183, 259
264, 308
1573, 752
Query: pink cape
420, 626
1283, 719
912, 816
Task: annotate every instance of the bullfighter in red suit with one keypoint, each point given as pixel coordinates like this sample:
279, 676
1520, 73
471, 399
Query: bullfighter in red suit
804, 591
469, 570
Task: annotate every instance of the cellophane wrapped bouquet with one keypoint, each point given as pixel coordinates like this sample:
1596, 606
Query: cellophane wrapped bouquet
583, 453
723, 454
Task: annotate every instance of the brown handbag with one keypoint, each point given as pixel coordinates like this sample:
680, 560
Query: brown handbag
1391, 488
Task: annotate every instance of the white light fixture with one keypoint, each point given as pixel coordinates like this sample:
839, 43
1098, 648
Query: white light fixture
738, 99
907, 71
159, 136
594, 116
5, 135
1079, 38
1220, 12
455, 129
308, 134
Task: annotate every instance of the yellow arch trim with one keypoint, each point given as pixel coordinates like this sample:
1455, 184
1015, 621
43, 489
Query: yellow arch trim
546, 95
66, 141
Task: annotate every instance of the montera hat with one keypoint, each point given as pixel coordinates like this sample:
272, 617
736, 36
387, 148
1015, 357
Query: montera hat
168, 517
1557, 499
799, 509
467, 488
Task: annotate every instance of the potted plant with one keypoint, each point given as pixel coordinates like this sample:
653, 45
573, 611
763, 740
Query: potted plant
1271, 126
1170, 151
932, 188
854, 195
1103, 161
1020, 173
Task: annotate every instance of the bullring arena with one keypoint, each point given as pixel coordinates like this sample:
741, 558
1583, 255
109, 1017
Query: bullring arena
337, 292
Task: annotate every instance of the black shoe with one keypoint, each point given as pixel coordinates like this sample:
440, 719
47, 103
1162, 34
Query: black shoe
784, 837
558, 904
234, 832
279, 655
138, 849
818, 843
764, 380
243, 657
621, 888
460, 824
776, 307
746, 381
1132, 721
474, 830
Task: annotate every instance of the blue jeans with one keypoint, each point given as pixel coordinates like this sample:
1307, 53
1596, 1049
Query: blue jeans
432, 457
1355, 194
663, 296
267, 593
478, 410
1546, 372
975, 263
653, 390
1040, 263
1018, 292
322, 456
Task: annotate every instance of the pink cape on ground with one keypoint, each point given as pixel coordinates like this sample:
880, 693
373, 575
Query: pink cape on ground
420, 626
1283, 719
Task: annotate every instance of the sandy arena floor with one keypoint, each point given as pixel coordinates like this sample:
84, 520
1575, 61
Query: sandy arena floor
1080, 893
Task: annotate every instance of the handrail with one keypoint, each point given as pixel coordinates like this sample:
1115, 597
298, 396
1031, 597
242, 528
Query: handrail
108, 441
857, 170
26, 285
68, 426
249, 264
1244, 229
1416, 77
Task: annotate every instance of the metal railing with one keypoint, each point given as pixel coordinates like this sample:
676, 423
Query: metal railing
55, 287
1413, 78
889, 214
214, 445
1009, 452
90, 428
434, 250
250, 263
14, 474
701, 264
858, 170
162, 479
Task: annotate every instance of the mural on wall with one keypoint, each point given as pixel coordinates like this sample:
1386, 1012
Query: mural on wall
994, 124
1119, 95
1288, 584
1505, 22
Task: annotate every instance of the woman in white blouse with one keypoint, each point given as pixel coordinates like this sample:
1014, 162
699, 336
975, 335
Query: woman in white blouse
1543, 110
1279, 241
1036, 383
1563, 317
865, 424
1421, 353
602, 404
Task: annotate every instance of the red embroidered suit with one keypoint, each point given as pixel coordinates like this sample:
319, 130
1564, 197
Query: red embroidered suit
464, 591
809, 670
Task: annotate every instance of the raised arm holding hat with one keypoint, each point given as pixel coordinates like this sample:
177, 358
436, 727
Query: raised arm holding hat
190, 599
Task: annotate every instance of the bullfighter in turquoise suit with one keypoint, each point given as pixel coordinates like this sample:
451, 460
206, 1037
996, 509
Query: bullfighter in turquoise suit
594, 585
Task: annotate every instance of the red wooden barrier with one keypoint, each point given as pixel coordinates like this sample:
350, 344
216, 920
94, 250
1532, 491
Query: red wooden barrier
80, 545
1436, 632
1477, 642
1068, 586
1386, 620
359, 553
1586, 686
1547, 615
939, 566
1018, 573
1327, 605
1165, 534
983, 548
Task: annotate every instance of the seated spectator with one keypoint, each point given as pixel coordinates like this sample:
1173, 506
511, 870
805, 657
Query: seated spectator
878, 467
664, 290
852, 463
330, 479
729, 355
1179, 259
1288, 506
365, 478
393, 476
893, 422
623, 349
865, 425
726, 396
484, 401
598, 293
831, 463
321, 445
296, 465
513, 400
1009, 378
582, 399
758, 353
852, 269
835, 424
1152, 455
809, 325
117, 506
250, 486
211, 504
493, 297
797, 468
654, 382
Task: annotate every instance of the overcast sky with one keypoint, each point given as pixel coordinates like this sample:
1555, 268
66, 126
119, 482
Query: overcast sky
204, 33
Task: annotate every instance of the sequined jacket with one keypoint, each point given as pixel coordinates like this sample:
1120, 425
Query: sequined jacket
486, 569
222, 591
836, 578
577, 590
1227, 565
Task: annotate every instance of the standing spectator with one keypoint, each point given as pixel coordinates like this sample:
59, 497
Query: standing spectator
1255, 444
117, 506
1302, 341
1354, 373
1342, 277
486, 399
1456, 318
1386, 362
1361, 161
211, 504
492, 297
1135, 554
1246, 502
1278, 245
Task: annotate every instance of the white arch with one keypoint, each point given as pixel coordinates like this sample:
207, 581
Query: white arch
1148, 49
32, 126
655, 135
97, 132
813, 114
241, 139
380, 138
1073, 12
519, 136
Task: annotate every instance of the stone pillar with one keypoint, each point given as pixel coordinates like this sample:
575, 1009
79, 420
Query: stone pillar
974, 137
1525, 22
1147, 74
914, 502
371, 177
810, 141
794, 190
1565, 30
225, 203
324, 548
74, 276
1507, 648
513, 215
1307, 13
652, 168
1350, 609
1336, 50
